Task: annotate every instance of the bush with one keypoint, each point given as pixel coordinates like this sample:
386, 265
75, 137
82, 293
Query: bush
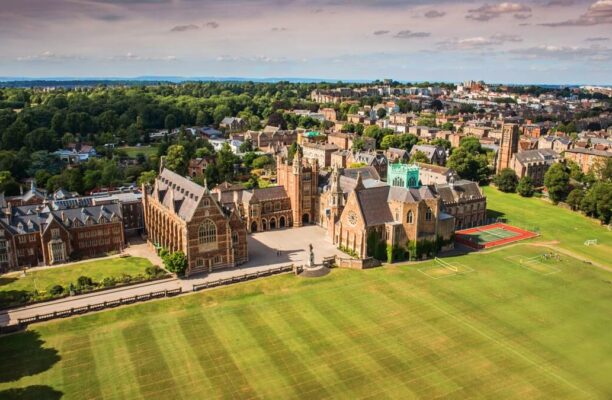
525, 187
176, 262
507, 180
56, 290
154, 271
109, 282
84, 282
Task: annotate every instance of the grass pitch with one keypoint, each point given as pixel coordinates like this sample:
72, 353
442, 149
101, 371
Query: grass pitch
43, 279
501, 331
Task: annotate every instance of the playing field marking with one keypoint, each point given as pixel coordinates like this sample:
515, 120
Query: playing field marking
533, 264
537, 364
445, 269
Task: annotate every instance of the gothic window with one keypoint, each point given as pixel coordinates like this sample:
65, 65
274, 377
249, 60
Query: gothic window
397, 181
397, 215
410, 217
268, 207
428, 214
207, 232
277, 206
412, 182
234, 237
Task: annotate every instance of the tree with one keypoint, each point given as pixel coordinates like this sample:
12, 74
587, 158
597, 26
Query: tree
263, 162
442, 143
381, 113
176, 160
246, 146
597, 201
170, 122
556, 180
8, 185
448, 126
358, 144
175, 262
471, 144
506, 180
146, 178
420, 157
468, 165
225, 162
375, 132
574, 198
525, 187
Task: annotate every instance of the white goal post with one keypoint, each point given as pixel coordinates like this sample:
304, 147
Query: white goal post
590, 242
446, 264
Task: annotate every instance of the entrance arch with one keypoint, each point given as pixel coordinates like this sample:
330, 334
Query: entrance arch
254, 227
272, 223
281, 222
264, 225
306, 218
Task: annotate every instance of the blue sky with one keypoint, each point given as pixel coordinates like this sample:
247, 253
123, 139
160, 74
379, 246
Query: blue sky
547, 41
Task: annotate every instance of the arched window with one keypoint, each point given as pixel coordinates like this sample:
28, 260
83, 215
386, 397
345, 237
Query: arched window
234, 237
428, 214
412, 182
207, 232
410, 217
397, 181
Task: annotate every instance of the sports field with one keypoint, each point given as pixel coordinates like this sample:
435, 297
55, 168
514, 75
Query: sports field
487, 236
498, 331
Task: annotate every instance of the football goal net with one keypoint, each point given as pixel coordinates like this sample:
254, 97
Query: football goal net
590, 242
446, 264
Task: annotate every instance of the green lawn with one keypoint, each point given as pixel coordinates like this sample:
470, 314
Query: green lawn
501, 331
43, 279
133, 151
570, 228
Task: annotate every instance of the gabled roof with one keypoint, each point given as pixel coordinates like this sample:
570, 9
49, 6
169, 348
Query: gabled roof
179, 194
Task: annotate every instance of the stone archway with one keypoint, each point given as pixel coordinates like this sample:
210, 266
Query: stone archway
306, 218
253, 227
264, 225
272, 223
281, 222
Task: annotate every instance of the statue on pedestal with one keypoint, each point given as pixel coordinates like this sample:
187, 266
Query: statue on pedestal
311, 259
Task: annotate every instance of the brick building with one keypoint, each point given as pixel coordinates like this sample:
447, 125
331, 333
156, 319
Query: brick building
181, 215
534, 164
588, 159
42, 234
463, 200
301, 181
508, 146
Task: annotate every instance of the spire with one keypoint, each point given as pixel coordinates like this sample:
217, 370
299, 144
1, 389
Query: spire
359, 184
206, 186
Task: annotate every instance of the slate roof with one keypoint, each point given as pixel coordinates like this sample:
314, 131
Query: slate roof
538, 155
178, 193
269, 193
459, 190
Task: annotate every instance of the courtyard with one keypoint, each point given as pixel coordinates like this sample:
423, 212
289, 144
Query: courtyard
292, 244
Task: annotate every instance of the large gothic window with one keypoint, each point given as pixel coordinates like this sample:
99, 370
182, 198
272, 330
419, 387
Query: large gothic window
207, 232
397, 181
410, 217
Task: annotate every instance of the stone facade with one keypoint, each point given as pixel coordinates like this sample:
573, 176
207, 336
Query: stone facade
508, 146
301, 181
181, 215
464, 201
534, 164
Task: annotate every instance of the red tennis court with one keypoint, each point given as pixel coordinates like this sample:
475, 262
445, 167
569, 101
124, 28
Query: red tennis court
487, 236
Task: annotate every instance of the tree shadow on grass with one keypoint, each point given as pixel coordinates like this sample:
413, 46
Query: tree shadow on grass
35, 392
5, 280
13, 298
495, 214
23, 355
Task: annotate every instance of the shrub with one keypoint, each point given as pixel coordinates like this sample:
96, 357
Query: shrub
84, 281
507, 180
56, 290
109, 282
525, 187
154, 271
176, 262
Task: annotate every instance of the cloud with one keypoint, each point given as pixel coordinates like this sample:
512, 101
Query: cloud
185, 28
49, 56
279, 29
478, 42
434, 14
380, 33
109, 17
598, 13
597, 39
559, 3
253, 59
487, 12
211, 25
406, 34
593, 53
522, 16
135, 57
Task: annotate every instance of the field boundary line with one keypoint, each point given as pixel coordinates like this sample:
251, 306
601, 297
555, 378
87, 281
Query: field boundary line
508, 347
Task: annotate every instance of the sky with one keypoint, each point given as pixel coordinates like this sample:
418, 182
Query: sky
531, 41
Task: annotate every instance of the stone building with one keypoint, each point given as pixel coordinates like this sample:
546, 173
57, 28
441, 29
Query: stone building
319, 152
434, 154
430, 174
534, 164
463, 200
508, 146
588, 159
301, 181
181, 215
197, 166
261, 209
372, 159
43, 234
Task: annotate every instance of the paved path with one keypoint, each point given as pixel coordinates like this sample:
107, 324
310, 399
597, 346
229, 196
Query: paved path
262, 253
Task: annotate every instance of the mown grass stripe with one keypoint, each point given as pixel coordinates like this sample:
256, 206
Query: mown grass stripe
79, 367
216, 361
152, 372
305, 383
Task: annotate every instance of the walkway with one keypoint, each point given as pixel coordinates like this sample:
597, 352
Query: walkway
293, 244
